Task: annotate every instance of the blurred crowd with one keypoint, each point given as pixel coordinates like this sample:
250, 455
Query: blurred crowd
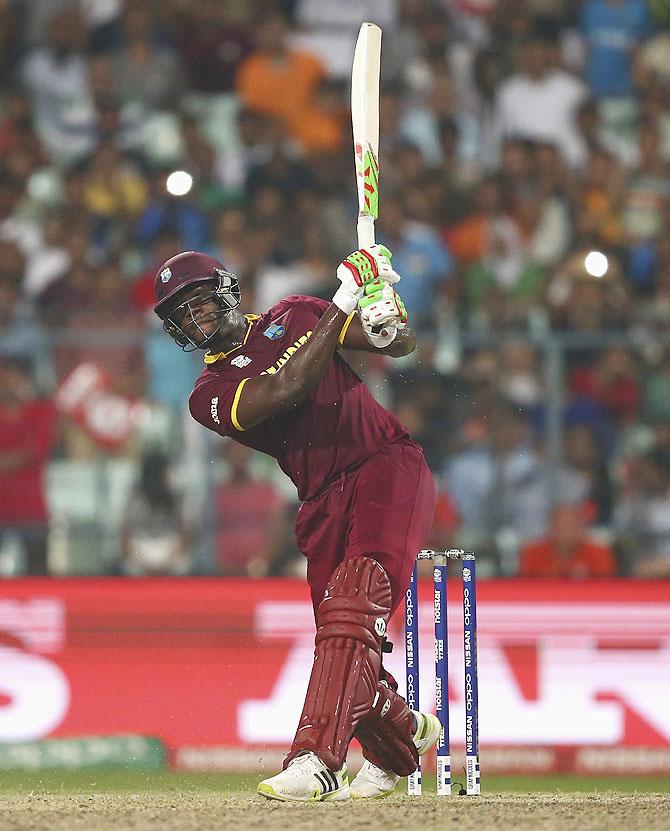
525, 194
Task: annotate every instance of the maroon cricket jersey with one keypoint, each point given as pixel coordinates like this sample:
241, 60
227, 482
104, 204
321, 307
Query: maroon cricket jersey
337, 428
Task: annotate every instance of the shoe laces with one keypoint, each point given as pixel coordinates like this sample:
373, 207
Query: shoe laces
306, 761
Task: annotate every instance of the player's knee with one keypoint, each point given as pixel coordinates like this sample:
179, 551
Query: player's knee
356, 604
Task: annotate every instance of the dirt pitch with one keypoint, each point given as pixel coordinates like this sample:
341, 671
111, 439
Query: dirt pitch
188, 811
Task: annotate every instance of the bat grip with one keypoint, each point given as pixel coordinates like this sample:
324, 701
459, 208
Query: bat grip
365, 230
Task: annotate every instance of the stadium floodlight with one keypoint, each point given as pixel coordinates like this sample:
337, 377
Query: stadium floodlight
596, 264
179, 183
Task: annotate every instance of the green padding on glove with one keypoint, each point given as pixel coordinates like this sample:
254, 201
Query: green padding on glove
366, 268
372, 292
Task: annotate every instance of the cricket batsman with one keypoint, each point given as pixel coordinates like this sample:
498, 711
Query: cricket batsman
277, 383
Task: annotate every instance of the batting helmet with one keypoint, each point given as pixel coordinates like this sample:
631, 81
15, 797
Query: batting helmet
183, 271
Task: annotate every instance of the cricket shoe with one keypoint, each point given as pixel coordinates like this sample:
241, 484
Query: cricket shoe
307, 779
372, 782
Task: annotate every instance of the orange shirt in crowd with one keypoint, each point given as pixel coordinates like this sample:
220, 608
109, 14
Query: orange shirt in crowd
587, 559
284, 89
467, 239
319, 132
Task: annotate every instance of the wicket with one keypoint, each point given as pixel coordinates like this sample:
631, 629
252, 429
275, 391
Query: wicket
471, 687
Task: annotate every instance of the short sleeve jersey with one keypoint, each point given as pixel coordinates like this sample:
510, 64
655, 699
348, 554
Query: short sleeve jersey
337, 428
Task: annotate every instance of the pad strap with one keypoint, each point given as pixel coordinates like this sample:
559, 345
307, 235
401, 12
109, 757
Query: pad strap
386, 733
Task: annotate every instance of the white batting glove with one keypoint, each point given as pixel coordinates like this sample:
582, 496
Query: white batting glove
359, 268
383, 257
387, 335
382, 313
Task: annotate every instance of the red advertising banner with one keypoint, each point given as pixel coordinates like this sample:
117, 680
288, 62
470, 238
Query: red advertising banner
224, 663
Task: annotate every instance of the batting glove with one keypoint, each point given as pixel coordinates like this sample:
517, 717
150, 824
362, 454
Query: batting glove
382, 313
364, 266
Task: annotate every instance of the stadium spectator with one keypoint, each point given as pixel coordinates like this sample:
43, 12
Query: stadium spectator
612, 383
279, 166
167, 211
113, 188
599, 218
652, 62
55, 73
578, 301
50, 260
419, 254
519, 378
250, 517
21, 336
567, 552
643, 514
16, 129
27, 436
445, 525
496, 480
487, 74
10, 37
642, 216
322, 128
147, 70
613, 30
67, 296
15, 226
273, 68
420, 406
153, 538
106, 315
541, 102
585, 478
212, 45
657, 391
201, 159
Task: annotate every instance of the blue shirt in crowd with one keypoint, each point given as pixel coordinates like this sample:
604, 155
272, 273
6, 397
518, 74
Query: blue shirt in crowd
613, 28
424, 262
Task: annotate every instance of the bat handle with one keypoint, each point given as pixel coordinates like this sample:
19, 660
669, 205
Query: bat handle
365, 230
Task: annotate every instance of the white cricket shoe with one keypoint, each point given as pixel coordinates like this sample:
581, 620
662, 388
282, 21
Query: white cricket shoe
307, 779
372, 782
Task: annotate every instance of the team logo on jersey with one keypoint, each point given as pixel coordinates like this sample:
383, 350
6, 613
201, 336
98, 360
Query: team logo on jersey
214, 409
166, 273
274, 331
241, 361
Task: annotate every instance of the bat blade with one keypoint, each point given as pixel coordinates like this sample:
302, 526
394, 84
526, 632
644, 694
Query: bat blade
365, 124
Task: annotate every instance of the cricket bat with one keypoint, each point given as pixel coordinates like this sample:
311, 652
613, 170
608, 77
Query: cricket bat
365, 124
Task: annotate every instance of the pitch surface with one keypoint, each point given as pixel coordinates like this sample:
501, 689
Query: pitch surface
61, 802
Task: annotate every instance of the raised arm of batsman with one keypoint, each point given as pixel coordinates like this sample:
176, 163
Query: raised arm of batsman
340, 326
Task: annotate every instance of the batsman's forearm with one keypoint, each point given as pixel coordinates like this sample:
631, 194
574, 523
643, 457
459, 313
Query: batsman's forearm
306, 367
